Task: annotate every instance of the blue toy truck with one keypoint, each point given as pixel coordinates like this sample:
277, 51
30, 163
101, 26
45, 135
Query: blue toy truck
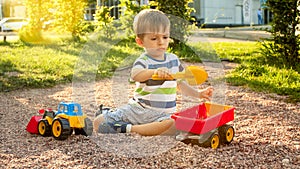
67, 119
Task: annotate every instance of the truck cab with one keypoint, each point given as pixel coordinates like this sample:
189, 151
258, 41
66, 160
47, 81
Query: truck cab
70, 109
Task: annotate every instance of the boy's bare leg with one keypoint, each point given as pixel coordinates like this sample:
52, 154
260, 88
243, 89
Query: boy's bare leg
99, 119
155, 128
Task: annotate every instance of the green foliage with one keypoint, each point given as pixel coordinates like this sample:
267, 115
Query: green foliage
29, 34
187, 53
38, 13
105, 22
129, 10
59, 15
68, 15
179, 15
284, 46
122, 54
195, 52
85, 28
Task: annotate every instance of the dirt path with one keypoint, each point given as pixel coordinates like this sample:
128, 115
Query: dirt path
267, 134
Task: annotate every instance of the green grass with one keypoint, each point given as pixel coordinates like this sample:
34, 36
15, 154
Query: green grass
35, 66
255, 72
266, 78
238, 51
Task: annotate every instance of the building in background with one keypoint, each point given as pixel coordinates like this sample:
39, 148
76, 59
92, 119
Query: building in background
229, 12
12, 8
212, 13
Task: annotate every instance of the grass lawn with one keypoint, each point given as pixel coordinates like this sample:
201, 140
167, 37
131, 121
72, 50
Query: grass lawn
35, 66
254, 72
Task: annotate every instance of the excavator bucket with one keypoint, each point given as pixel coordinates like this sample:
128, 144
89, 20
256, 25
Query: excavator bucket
32, 126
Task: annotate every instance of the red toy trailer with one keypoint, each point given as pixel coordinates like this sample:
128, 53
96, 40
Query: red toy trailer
205, 124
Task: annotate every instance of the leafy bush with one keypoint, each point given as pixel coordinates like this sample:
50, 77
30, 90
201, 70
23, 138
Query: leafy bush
284, 46
179, 15
129, 10
104, 22
38, 13
68, 16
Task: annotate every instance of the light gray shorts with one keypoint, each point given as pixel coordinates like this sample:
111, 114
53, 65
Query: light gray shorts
135, 114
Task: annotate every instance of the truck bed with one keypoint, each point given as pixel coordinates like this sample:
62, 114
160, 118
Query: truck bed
203, 118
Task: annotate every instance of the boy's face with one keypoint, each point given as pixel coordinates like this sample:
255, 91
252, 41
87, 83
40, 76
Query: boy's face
155, 44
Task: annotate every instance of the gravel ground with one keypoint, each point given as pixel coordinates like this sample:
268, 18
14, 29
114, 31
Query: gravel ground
267, 133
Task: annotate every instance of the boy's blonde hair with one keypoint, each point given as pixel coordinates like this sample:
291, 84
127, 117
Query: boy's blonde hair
150, 21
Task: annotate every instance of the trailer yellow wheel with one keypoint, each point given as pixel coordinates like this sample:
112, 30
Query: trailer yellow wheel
229, 134
60, 129
226, 133
44, 128
212, 141
215, 141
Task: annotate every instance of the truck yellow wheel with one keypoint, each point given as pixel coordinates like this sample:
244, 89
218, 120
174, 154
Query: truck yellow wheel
44, 128
87, 130
60, 129
226, 133
88, 127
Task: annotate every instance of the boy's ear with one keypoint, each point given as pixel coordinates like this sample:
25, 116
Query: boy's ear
139, 41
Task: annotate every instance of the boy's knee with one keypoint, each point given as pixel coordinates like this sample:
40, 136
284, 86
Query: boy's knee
169, 122
171, 129
172, 121
99, 119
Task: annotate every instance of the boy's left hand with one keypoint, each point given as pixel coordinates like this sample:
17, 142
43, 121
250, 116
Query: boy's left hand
206, 93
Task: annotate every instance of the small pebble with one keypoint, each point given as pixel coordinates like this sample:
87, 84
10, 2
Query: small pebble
285, 161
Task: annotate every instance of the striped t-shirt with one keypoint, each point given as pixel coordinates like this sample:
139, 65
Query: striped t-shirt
158, 94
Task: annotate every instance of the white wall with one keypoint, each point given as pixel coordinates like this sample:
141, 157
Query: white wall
221, 12
226, 11
255, 6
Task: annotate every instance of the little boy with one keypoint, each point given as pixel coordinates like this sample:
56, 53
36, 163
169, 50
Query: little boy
149, 111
